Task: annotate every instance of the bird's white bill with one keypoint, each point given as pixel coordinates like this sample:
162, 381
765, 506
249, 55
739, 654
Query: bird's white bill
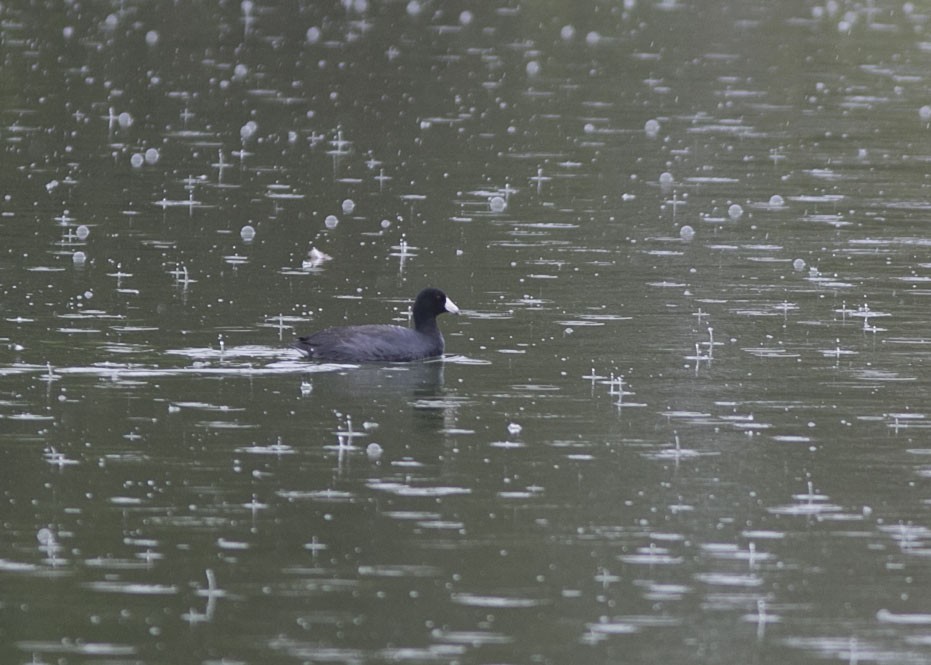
451, 307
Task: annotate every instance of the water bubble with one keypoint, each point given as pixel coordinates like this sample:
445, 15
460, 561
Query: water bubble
776, 201
686, 232
240, 71
798, 265
567, 33
385, 223
67, 32
247, 233
246, 131
589, 128
82, 232
79, 258
414, 8
465, 17
533, 68
592, 38
374, 451
46, 537
925, 112
125, 120
651, 127
246, 6
331, 221
348, 206
735, 212
665, 178
151, 37
151, 156
497, 204
313, 35
137, 160
88, 295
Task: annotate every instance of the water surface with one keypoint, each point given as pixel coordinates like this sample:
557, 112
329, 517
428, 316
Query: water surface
683, 414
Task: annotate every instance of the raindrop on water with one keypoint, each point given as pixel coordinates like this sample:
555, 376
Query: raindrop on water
497, 204
247, 130
82, 232
374, 451
247, 232
776, 201
125, 120
137, 160
348, 206
151, 156
315, 258
331, 221
79, 258
686, 232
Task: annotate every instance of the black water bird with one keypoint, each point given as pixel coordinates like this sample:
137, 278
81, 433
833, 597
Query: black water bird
384, 343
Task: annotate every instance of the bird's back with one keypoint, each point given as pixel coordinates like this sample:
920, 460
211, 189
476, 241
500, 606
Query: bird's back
370, 343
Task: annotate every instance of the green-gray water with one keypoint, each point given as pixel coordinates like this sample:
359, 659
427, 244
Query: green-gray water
683, 416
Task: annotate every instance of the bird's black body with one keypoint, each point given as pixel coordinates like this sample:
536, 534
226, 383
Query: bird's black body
384, 343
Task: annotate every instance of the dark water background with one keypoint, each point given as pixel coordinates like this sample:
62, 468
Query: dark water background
683, 417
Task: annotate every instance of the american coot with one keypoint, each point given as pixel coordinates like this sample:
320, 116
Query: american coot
384, 343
